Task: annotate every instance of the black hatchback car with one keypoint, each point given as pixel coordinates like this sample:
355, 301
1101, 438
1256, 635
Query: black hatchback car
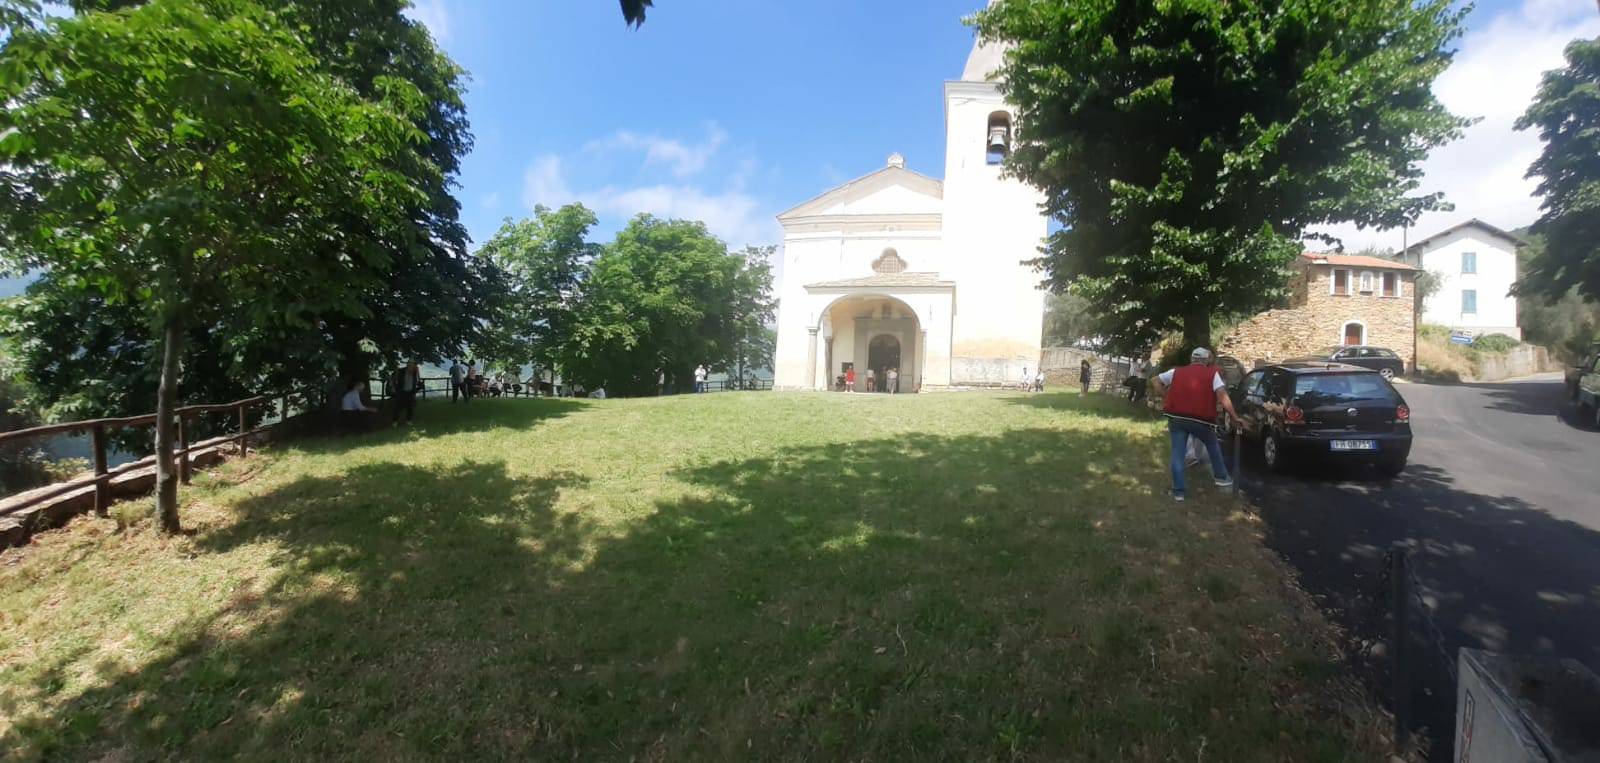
1380, 359
1318, 413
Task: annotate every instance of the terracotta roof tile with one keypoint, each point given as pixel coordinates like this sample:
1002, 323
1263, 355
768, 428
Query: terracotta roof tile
1355, 261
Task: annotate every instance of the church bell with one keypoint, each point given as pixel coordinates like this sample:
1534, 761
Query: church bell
999, 140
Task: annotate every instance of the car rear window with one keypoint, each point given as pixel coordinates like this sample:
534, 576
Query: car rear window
1314, 390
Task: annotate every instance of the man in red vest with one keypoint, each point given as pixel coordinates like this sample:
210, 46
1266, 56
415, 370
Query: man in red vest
1193, 393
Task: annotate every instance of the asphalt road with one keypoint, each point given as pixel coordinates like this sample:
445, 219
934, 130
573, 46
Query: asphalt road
1500, 507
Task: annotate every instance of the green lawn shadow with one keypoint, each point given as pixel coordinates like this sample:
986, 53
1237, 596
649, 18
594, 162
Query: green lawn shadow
1098, 404
966, 597
441, 418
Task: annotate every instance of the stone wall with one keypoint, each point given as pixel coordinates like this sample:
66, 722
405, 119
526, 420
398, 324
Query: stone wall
1316, 319
1061, 365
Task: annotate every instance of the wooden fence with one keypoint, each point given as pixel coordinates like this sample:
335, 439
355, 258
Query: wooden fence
97, 428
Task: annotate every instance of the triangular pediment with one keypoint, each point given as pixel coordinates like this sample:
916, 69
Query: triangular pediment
889, 191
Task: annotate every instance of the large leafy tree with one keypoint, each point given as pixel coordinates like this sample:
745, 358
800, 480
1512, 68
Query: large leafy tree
1186, 146
1566, 112
544, 259
663, 297
190, 162
429, 300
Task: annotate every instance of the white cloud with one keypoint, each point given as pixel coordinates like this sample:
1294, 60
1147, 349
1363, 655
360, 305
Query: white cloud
683, 159
733, 215
542, 184
433, 15
1494, 76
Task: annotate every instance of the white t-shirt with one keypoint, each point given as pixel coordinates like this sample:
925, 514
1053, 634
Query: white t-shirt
352, 401
1216, 379
700, 374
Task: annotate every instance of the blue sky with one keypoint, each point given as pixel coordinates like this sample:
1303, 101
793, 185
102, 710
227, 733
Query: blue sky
732, 112
729, 112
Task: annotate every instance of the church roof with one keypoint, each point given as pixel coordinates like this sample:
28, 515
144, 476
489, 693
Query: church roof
895, 174
885, 280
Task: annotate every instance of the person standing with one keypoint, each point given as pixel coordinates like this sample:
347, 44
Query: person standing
700, 375
1193, 393
872, 380
894, 380
408, 380
458, 378
1085, 374
1038, 380
850, 379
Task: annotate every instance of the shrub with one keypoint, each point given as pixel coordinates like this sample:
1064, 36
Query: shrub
1494, 343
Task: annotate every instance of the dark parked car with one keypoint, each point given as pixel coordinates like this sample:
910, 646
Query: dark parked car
1584, 365
1318, 413
1380, 359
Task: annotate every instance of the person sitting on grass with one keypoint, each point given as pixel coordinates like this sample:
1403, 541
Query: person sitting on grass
352, 410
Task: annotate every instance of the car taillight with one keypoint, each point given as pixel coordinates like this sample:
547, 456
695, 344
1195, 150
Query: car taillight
1402, 414
1294, 415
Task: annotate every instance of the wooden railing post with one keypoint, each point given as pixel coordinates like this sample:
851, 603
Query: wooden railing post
183, 449
102, 486
244, 439
284, 415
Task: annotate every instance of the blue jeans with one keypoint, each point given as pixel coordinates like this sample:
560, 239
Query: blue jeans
1181, 430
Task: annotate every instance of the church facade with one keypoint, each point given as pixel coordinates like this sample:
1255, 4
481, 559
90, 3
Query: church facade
899, 270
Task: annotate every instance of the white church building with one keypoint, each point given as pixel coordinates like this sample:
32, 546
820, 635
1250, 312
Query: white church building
896, 269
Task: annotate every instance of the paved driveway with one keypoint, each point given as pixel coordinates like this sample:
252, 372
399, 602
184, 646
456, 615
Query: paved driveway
1501, 506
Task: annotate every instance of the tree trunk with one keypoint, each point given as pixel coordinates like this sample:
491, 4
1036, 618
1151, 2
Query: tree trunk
1197, 327
166, 404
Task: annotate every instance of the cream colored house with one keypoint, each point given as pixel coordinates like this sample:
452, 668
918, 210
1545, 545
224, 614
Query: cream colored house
898, 269
1477, 266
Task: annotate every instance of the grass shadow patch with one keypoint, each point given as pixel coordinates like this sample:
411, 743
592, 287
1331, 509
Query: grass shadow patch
990, 593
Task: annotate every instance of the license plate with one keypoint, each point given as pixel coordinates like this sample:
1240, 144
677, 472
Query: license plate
1354, 444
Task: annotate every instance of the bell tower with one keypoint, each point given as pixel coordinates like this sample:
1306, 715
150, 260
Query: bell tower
992, 224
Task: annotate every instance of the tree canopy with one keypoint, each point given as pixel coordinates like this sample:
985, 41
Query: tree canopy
197, 167
544, 259
424, 304
1186, 147
1566, 112
661, 298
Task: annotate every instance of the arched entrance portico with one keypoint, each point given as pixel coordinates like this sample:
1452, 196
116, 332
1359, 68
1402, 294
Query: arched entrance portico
873, 331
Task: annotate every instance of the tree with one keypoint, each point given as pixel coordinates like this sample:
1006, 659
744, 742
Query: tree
661, 298
1067, 320
544, 259
188, 162
754, 341
1566, 111
429, 302
1186, 147
1567, 324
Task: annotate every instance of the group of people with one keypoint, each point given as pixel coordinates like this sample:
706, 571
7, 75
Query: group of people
466, 382
888, 382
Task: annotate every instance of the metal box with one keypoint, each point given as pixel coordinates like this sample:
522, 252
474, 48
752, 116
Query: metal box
1521, 709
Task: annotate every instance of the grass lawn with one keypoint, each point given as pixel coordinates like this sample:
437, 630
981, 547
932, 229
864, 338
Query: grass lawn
747, 575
